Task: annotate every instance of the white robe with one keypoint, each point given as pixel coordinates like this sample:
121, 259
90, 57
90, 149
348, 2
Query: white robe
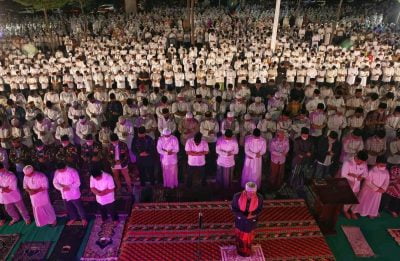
169, 162
43, 211
252, 169
369, 198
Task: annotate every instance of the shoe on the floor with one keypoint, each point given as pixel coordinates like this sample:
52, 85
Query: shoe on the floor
28, 222
2, 222
84, 222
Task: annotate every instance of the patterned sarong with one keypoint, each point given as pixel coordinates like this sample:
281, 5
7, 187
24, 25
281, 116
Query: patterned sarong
243, 242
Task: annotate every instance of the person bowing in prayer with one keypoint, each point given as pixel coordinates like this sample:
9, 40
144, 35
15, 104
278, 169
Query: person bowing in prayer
36, 184
246, 206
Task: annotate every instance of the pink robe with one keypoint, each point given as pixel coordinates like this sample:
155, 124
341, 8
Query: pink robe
369, 198
43, 211
252, 168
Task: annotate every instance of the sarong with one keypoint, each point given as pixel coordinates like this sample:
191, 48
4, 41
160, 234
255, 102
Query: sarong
243, 242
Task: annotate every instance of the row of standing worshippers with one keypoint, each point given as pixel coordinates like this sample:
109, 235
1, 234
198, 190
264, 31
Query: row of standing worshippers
67, 181
92, 151
377, 187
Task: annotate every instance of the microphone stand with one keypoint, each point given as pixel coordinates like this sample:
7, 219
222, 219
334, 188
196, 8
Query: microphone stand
200, 220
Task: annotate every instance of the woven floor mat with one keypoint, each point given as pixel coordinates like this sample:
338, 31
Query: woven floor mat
357, 241
169, 231
395, 233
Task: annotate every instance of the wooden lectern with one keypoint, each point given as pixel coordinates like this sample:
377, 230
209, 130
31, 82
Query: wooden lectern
330, 196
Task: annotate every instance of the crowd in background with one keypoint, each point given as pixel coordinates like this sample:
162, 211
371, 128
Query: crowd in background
124, 91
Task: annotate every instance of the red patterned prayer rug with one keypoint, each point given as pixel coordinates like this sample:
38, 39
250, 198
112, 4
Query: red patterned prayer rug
169, 231
395, 233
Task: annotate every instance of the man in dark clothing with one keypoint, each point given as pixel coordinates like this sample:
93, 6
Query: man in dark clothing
113, 111
327, 155
19, 157
246, 206
297, 93
302, 159
15, 111
143, 147
43, 160
67, 153
92, 157
269, 90
258, 90
375, 120
118, 156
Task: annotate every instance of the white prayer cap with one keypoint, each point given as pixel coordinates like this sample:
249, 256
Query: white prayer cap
121, 118
60, 121
247, 117
189, 115
28, 169
258, 99
230, 114
268, 115
251, 187
238, 96
166, 132
180, 95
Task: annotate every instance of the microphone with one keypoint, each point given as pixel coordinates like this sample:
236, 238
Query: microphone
200, 219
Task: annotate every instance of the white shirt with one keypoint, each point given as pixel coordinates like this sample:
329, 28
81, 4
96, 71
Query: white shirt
350, 166
223, 148
8, 179
106, 182
202, 147
70, 178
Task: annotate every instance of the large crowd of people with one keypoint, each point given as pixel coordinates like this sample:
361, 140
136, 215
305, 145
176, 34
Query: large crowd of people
139, 91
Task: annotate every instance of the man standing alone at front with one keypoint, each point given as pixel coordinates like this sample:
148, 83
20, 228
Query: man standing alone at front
246, 206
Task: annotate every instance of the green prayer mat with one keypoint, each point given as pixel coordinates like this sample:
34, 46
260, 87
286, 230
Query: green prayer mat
46, 233
374, 231
69, 243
